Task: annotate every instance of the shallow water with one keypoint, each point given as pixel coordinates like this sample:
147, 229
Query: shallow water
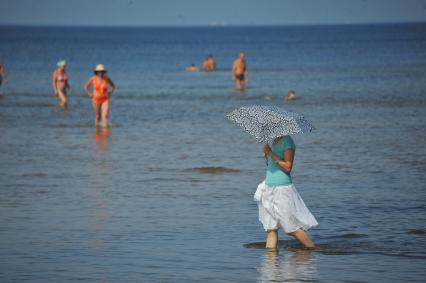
166, 194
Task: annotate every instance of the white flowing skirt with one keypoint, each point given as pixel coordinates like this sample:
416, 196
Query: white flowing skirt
282, 206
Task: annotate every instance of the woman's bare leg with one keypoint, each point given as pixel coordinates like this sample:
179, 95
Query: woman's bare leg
272, 239
97, 111
303, 238
62, 98
105, 113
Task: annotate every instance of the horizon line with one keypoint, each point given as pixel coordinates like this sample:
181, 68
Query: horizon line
213, 26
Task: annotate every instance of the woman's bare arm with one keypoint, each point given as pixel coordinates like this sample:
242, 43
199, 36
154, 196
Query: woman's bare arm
68, 84
285, 164
54, 82
112, 86
3, 73
87, 87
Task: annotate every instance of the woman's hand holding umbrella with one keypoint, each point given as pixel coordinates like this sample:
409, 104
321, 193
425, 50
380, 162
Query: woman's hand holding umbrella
267, 150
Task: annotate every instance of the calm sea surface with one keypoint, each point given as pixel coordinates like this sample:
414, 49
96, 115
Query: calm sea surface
166, 194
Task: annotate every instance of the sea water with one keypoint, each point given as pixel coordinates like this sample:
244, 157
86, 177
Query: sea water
166, 193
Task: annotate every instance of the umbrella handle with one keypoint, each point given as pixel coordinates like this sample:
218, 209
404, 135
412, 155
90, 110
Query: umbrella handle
266, 159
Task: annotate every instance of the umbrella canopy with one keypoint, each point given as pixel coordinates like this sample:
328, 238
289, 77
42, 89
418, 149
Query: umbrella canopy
265, 123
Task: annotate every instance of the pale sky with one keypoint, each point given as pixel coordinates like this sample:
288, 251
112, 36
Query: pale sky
208, 12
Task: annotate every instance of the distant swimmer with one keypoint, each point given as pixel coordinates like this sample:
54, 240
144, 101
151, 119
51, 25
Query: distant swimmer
209, 64
100, 94
3, 75
291, 95
239, 71
192, 68
60, 83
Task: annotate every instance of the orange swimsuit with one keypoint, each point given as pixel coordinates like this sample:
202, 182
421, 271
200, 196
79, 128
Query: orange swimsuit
100, 94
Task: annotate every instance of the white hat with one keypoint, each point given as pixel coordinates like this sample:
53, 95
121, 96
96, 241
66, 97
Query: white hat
100, 68
61, 63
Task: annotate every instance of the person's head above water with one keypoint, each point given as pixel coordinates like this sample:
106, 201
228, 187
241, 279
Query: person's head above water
291, 95
242, 55
62, 64
192, 68
100, 70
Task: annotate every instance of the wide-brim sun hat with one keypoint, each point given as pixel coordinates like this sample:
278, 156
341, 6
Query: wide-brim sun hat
100, 68
61, 63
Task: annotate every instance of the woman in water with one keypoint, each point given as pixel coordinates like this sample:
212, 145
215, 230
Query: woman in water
100, 94
3, 74
60, 83
280, 205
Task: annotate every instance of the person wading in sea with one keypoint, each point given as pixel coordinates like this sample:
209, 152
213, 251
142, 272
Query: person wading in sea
3, 75
100, 95
60, 83
209, 64
279, 203
239, 72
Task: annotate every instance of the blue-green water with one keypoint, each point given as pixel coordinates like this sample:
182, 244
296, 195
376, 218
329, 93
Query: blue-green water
166, 194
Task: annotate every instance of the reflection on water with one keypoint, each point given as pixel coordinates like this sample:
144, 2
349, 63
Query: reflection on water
287, 267
100, 140
100, 216
100, 178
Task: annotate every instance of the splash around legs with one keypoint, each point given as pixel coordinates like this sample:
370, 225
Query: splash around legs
300, 235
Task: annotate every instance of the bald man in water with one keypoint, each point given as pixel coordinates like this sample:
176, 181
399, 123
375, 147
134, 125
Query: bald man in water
239, 71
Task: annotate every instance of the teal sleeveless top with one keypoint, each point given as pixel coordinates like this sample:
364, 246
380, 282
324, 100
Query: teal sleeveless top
275, 176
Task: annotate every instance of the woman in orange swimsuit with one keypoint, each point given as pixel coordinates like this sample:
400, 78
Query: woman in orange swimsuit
100, 95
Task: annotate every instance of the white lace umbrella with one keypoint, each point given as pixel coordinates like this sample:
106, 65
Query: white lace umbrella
265, 123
